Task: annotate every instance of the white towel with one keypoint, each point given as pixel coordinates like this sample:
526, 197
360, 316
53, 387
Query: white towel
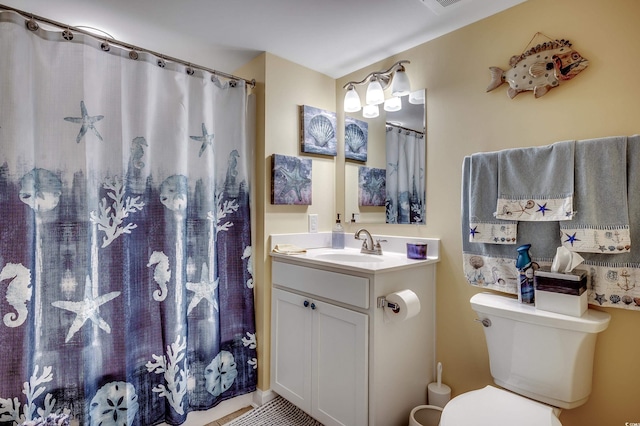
483, 195
288, 249
601, 222
536, 184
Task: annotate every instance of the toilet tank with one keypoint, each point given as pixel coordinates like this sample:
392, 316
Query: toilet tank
539, 354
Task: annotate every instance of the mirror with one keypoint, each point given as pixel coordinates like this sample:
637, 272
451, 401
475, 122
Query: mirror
397, 159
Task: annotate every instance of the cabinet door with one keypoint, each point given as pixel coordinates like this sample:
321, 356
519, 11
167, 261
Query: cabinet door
340, 366
291, 347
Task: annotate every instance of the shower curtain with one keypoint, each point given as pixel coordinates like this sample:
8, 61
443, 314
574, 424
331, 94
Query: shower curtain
405, 186
126, 293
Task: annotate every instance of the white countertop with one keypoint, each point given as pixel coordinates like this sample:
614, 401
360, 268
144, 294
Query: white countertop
352, 260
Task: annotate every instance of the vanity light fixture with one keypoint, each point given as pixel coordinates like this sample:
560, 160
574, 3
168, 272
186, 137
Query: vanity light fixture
370, 111
392, 104
416, 97
375, 93
400, 85
377, 82
352, 100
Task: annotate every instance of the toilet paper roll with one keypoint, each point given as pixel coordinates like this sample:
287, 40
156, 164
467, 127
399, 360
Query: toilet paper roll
408, 303
438, 395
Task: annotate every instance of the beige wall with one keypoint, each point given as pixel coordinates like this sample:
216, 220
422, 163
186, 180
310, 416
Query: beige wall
282, 87
462, 119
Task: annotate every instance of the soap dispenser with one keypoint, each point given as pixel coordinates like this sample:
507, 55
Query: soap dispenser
337, 235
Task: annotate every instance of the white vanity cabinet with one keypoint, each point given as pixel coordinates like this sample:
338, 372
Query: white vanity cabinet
333, 352
320, 349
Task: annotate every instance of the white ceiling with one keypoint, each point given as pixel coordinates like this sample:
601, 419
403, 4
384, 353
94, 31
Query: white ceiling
334, 37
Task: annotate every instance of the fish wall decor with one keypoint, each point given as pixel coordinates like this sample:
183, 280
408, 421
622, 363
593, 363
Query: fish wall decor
539, 69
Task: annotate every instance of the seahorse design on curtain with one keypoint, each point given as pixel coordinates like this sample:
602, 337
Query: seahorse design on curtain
126, 287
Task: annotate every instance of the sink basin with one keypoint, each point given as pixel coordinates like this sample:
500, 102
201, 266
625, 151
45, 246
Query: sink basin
349, 257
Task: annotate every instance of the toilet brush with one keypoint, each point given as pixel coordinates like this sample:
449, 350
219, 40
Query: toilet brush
437, 393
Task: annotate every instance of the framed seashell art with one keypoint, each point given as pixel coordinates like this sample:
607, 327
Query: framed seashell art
356, 135
290, 180
318, 131
371, 186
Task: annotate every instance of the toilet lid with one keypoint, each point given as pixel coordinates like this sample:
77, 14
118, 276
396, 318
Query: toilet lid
491, 406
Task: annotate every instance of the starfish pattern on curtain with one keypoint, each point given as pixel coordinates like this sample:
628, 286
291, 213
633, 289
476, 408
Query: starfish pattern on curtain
405, 190
126, 284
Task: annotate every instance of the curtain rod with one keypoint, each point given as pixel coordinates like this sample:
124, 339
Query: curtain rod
128, 46
403, 128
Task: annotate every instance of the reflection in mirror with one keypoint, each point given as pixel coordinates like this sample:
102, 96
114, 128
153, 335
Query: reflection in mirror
396, 150
405, 160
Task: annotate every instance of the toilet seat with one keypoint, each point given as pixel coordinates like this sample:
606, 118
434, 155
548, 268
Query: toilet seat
491, 406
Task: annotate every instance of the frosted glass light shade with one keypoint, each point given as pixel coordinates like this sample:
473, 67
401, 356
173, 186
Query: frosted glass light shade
416, 97
400, 85
375, 94
370, 111
393, 104
352, 101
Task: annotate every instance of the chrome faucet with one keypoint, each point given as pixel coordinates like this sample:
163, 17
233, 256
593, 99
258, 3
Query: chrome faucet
368, 247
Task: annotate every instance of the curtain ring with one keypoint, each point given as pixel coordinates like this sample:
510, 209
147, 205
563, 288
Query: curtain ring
161, 63
67, 35
133, 55
105, 46
189, 70
32, 24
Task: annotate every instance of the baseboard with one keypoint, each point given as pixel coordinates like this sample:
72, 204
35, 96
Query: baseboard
199, 418
255, 399
261, 397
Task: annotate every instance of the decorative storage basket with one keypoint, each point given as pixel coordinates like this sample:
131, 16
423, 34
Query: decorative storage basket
564, 293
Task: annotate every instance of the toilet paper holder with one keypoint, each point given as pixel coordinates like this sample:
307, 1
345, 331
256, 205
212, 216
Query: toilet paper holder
384, 303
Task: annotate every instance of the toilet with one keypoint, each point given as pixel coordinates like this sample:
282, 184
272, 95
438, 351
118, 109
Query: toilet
542, 362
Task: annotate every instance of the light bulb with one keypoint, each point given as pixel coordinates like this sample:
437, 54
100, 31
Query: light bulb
416, 97
375, 94
352, 100
393, 104
370, 111
400, 85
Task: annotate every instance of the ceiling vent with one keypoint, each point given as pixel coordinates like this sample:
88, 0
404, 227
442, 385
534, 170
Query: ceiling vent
441, 6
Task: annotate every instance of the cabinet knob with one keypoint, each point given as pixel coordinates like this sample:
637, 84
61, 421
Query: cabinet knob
313, 306
306, 303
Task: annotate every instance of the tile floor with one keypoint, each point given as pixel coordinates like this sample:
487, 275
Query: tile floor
229, 417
